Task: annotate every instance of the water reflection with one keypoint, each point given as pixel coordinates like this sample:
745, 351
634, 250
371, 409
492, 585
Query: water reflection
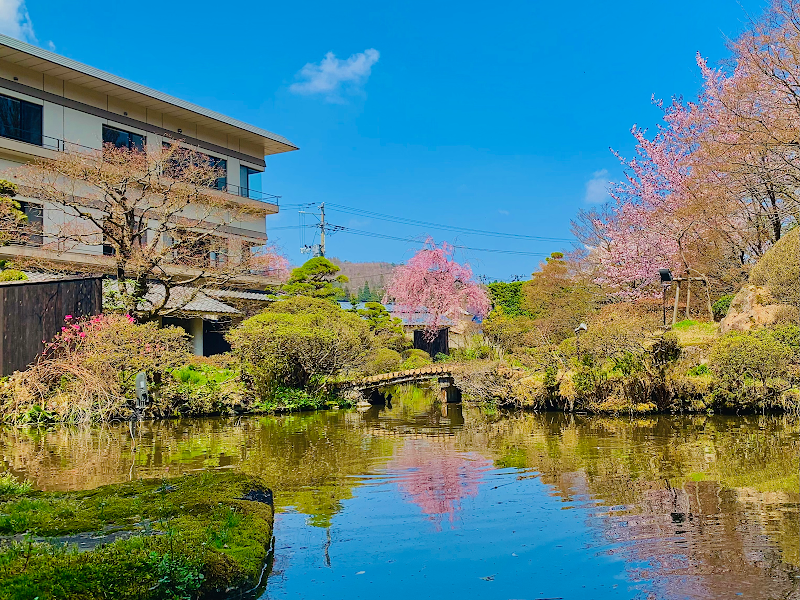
436, 477
701, 507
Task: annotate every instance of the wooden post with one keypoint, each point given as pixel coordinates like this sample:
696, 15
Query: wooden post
688, 295
677, 296
708, 300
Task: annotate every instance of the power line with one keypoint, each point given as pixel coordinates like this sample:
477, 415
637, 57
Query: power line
418, 241
406, 221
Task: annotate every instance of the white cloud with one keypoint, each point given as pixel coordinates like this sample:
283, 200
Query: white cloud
15, 21
597, 188
332, 77
504, 212
51, 45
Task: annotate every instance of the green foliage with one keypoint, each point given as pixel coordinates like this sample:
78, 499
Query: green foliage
11, 216
366, 294
203, 388
383, 360
176, 577
12, 275
299, 343
722, 305
699, 370
388, 331
558, 297
285, 399
315, 278
685, 324
741, 358
87, 372
171, 553
414, 359
779, 269
474, 349
9, 486
510, 332
507, 297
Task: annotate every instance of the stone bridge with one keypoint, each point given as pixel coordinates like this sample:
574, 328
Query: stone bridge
367, 387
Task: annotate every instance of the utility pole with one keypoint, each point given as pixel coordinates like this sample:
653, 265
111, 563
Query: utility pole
322, 229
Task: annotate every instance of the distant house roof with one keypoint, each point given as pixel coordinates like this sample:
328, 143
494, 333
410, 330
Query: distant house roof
241, 295
188, 299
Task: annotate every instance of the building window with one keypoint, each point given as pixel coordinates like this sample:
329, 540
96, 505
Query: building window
20, 120
123, 139
35, 223
222, 166
249, 182
174, 168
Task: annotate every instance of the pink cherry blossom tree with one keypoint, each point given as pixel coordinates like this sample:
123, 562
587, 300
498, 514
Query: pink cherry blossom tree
652, 221
436, 287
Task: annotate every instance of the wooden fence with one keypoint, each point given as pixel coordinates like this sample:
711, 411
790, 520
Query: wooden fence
32, 311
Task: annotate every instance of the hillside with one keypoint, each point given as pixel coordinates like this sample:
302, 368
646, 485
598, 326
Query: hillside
374, 274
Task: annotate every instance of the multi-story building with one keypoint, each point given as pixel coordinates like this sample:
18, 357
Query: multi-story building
49, 104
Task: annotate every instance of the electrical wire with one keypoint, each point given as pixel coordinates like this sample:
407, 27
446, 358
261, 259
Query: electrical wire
406, 221
418, 241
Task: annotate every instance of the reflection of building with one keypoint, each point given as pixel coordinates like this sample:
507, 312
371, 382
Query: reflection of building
50, 104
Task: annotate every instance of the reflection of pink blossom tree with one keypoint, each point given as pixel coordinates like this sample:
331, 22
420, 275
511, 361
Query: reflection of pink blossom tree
436, 477
433, 283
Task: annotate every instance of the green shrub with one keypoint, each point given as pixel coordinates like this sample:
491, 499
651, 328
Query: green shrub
507, 298
779, 270
382, 360
293, 400
722, 305
415, 358
203, 388
87, 372
388, 330
475, 349
699, 370
741, 358
510, 332
10, 486
12, 275
299, 343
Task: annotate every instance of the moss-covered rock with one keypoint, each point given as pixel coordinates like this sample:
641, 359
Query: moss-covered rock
199, 536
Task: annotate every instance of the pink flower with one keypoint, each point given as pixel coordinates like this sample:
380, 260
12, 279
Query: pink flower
68, 317
82, 334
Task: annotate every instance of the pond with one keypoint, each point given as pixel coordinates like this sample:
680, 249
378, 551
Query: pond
421, 499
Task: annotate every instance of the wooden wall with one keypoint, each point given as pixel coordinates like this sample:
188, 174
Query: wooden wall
439, 345
32, 311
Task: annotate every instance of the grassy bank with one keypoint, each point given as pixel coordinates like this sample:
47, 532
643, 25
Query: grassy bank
206, 535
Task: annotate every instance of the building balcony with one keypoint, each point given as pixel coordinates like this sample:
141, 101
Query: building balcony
50, 145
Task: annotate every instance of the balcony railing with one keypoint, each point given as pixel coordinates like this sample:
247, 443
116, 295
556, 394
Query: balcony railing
244, 192
51, 143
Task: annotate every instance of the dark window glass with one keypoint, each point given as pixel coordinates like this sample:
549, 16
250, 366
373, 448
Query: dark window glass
20, 120
173, 169
222, 165
123, 139
249, 182
35, 222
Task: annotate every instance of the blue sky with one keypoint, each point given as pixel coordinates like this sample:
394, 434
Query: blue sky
492, 116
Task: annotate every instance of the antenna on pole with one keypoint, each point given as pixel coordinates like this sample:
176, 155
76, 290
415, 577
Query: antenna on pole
316, 249
322, 229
